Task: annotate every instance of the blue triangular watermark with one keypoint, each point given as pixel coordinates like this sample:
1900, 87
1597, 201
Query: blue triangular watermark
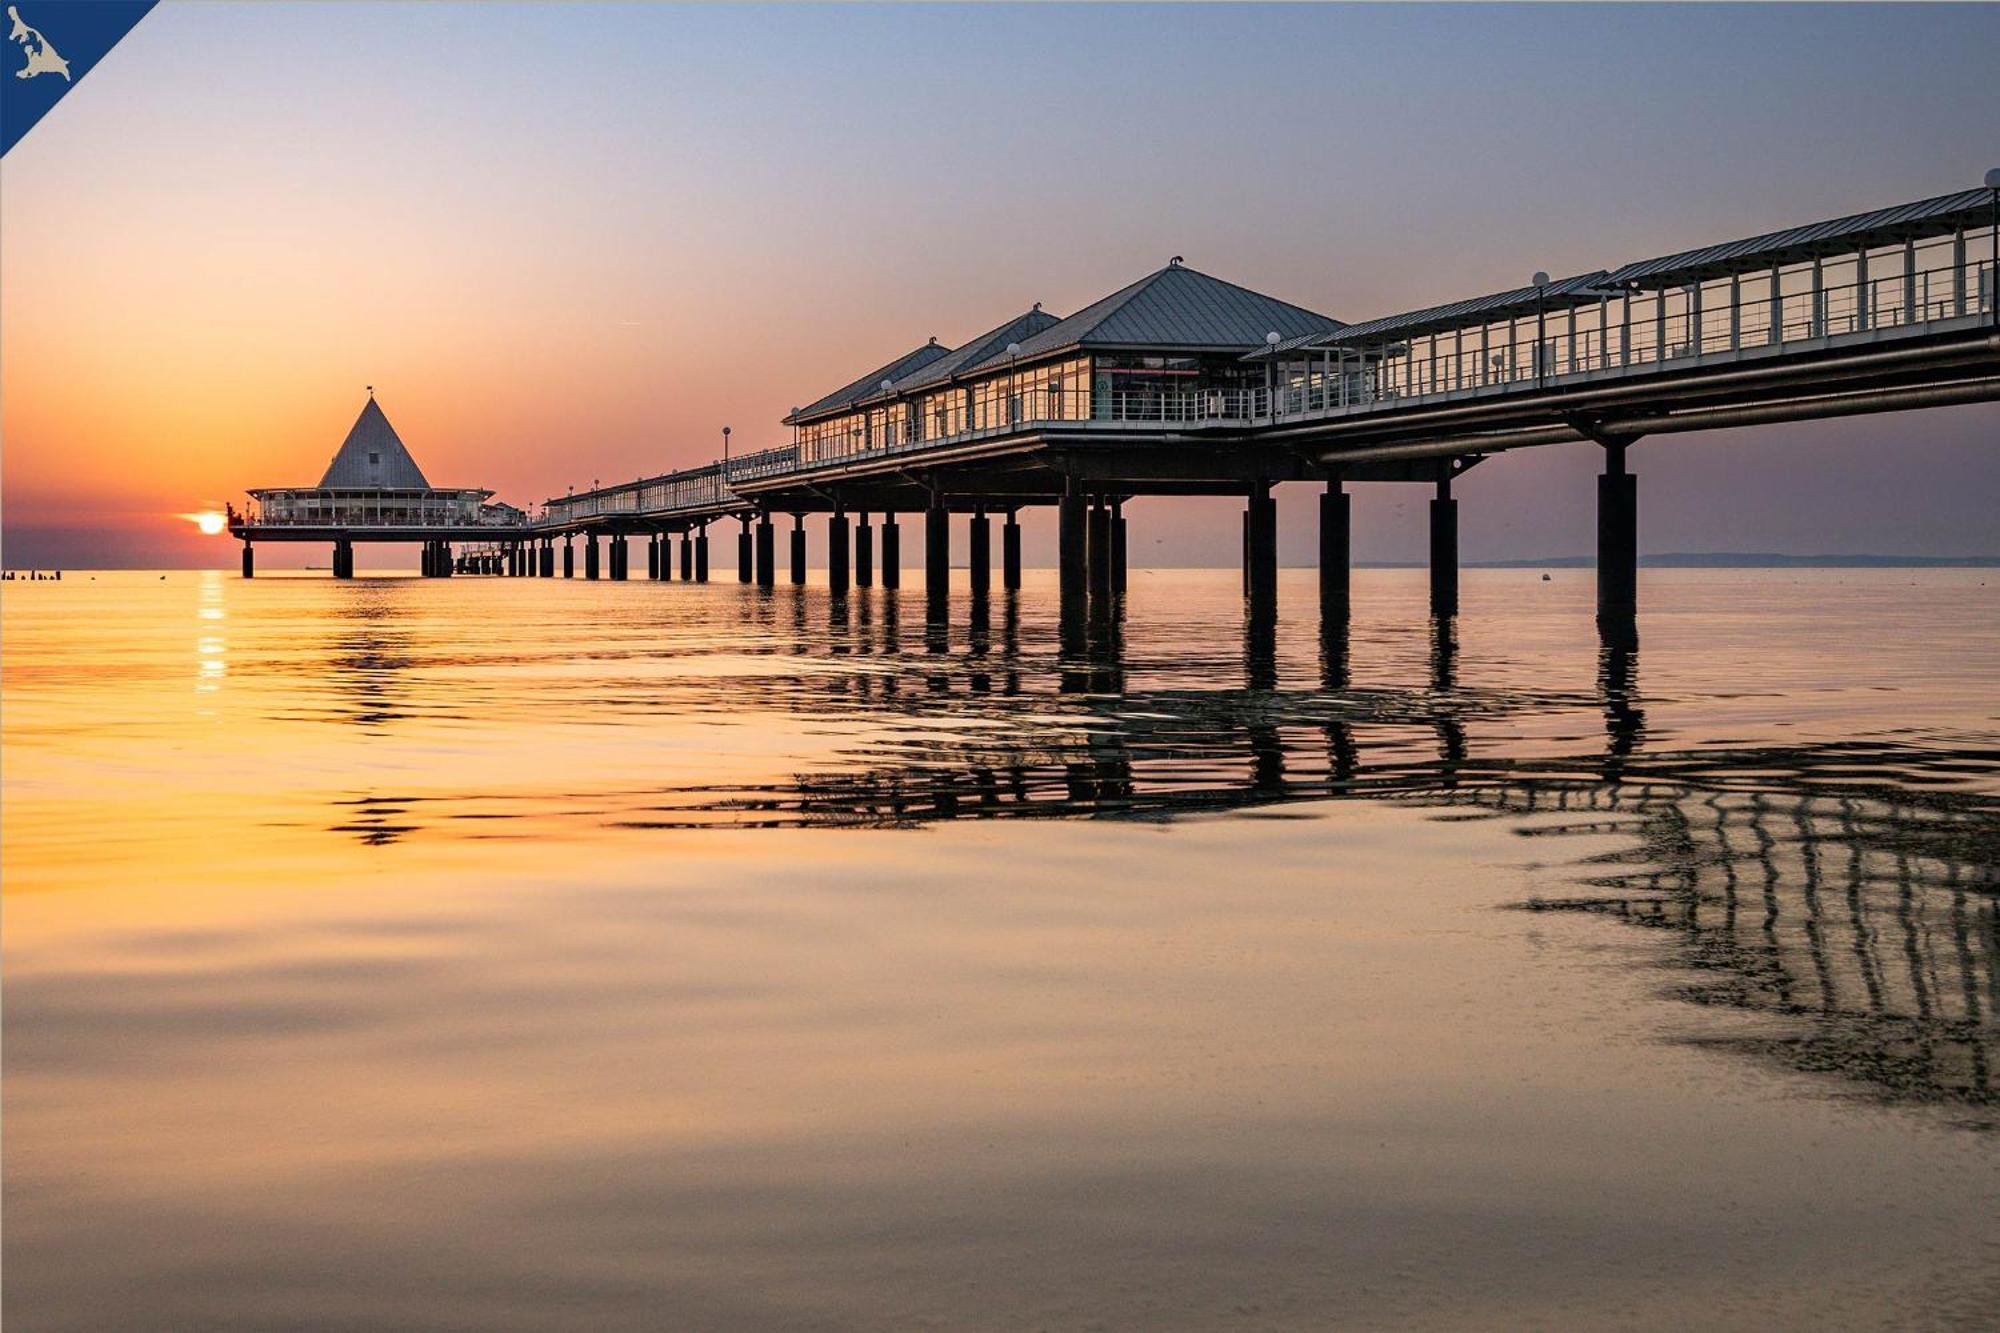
50, 45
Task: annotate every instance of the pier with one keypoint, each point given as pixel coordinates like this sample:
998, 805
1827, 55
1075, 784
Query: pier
1184, 384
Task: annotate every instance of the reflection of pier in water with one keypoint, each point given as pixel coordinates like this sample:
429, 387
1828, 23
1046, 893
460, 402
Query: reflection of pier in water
1845, 894
1817, 887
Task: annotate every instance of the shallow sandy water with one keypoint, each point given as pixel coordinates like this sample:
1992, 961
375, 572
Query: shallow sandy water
391, 974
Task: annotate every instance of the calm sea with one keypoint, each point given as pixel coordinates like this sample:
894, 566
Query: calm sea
497, 954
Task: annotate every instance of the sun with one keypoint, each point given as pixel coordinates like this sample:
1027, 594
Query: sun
208, 521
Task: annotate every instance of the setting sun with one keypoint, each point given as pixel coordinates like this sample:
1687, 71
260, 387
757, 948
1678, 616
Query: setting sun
210, 522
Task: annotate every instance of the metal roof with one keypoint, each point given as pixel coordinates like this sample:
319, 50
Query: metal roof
1926, 217
868, 385
987, 346
1177, 307
1583, 289
373, 455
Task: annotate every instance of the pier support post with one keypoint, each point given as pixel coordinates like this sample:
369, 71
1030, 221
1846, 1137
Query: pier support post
767, 552
1260, 548
343, 560
798, 548
1118, 546
1617, 539
426, 558
701, 554
619, 552
590, 556
548, 558
687, 556
569, 557
1335, 544
979, 551
1072, 557
864, 552
892, 551
653, 557
249, 561
937, 549
745, 561
444, 560
1010, 553
837, 551
1098, 557
1444, 546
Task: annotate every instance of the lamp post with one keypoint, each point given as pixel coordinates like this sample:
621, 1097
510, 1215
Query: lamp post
725, 454
1993, 186
1013, 350
1541, 281
1271, 341
889, 413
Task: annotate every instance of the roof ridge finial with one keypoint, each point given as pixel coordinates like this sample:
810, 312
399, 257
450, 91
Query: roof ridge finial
1176, 262
371, 391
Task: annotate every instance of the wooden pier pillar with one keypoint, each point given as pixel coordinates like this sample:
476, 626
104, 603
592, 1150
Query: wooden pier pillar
1118, 579
569, 557
1444, 546
343, 560
979, 550
837, 551
1010, 553
892, 551
426, 553
249, 561
687, 556
701, 554
745, 560
937, 550
1098, 557
653, 557
798, 548
1260, 554
864, 552
1617, 539
548, 558
619, 552
590, 556
1335, 544
1072, 555
444, 560
767, 552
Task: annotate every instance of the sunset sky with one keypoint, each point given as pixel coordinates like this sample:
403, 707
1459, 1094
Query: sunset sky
570, 243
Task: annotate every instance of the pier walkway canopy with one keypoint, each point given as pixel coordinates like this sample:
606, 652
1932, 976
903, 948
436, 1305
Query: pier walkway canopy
373, 482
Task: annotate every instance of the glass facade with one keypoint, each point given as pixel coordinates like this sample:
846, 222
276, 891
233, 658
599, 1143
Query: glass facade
998, 401
377, 507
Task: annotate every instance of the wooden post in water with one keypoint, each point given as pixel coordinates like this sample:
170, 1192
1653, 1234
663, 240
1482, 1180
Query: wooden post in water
979, 552
1444, 546
1010, 553
1335, 576
892, 550
837, 551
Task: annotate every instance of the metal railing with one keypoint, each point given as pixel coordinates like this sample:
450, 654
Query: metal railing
1630, 333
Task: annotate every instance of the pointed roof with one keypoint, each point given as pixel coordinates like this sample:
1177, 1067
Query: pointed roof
1178, 307
988, 345
848, 394
373, 455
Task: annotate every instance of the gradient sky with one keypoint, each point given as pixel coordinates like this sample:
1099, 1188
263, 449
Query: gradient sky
569, 243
